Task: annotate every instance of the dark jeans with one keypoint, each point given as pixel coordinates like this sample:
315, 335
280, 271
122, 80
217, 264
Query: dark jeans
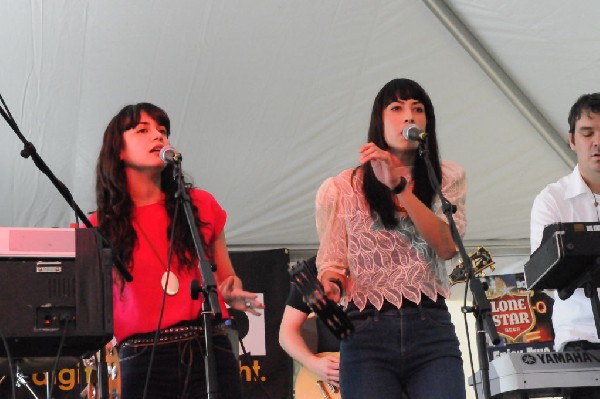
413, 350
178, 370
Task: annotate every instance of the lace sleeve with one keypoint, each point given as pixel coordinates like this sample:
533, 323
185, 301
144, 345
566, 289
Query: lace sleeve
333, 242
454, 188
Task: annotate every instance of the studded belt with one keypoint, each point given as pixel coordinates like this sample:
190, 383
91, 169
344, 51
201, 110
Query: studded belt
177, 333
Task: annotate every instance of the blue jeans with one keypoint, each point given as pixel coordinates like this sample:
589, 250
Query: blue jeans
411, 351
178, 370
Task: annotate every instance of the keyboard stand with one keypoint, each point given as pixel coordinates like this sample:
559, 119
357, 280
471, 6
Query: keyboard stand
587, 280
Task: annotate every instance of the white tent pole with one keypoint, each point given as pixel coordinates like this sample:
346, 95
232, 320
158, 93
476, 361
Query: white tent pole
476, 50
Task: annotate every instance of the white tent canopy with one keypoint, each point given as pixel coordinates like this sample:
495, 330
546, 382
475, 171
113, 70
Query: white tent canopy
268, 98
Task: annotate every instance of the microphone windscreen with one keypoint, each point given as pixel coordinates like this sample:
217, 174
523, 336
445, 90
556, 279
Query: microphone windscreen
411, 132
167, 154
240, 321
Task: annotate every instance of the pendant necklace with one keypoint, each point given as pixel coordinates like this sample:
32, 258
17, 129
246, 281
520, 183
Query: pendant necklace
169, 281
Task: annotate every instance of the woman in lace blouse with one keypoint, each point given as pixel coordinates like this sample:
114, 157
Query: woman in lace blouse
383, 242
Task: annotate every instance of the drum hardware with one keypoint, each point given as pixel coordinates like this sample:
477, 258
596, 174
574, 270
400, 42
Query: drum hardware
20, 381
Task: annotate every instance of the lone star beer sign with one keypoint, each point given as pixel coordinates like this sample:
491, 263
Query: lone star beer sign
513, 314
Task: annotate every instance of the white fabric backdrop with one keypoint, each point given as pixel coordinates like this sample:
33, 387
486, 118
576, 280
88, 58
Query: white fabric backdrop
268, 98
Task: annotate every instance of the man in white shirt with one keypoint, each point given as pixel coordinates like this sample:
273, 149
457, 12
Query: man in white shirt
574, 198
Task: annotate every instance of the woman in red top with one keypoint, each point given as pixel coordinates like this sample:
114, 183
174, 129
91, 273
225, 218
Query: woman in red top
137, 213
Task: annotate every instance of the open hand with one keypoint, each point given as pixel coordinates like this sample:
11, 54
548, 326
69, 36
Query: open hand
239, 299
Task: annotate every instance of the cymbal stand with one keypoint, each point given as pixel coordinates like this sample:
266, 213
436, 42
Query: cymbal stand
21, 381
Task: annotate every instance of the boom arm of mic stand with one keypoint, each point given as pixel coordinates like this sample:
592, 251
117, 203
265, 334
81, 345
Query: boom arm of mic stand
30, 151
483, 309
210, 306
208, 279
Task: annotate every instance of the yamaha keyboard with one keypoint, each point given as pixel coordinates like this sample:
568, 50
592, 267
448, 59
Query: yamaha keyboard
568, 250
541, 374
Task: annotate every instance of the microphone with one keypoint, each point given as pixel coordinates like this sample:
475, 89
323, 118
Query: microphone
414, 133
169, 155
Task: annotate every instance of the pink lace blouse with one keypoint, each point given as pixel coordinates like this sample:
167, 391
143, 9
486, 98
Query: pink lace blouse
382, 264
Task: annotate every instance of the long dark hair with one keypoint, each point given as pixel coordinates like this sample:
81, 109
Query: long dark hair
379, 196
114, 202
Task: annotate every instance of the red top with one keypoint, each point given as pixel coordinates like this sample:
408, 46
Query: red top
136, 309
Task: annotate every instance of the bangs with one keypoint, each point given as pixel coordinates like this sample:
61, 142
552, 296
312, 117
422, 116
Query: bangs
131, 115
401, 90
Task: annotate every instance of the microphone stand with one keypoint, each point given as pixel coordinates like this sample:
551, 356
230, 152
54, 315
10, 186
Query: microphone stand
30, 151
210, 306
481, 305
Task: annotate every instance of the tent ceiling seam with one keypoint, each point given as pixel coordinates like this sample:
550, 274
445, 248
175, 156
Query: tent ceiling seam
504, 82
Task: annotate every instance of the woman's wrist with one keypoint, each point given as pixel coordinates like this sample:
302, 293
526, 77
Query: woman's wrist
401, 186
337, 282
237, 282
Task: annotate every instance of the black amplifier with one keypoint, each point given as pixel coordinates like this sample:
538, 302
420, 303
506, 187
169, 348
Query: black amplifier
54, 283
